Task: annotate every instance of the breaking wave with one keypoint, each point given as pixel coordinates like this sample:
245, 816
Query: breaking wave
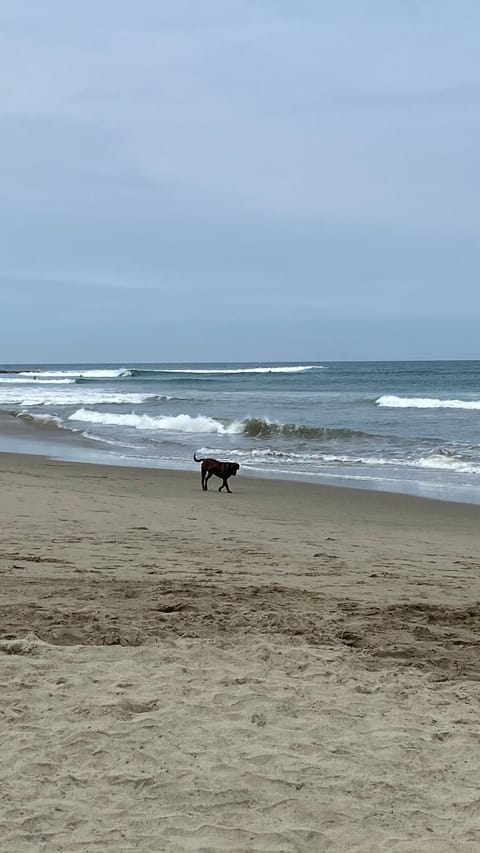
252, 427
81, 395
228, 371
261, 428
14, 380
174, 423
299, 458
81, 374
41, 420
394, 402
78, 373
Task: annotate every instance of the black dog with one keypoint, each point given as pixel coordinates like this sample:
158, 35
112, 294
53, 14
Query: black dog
224, 470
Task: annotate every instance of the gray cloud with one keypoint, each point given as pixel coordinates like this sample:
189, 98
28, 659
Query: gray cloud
272, 160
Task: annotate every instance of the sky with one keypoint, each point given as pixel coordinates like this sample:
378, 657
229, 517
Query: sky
250, 180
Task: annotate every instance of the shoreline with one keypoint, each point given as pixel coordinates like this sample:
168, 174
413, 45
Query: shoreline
371, 505
73, 447
277, 482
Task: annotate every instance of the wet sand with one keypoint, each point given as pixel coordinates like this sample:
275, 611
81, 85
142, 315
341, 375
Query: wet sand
287, 668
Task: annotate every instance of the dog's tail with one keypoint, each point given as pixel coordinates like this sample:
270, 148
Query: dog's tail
199, 458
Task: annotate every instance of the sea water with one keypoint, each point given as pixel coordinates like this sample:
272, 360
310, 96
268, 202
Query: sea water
410, 427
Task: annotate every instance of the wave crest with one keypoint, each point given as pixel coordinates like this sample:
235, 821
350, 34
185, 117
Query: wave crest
78, 373
261, 427
79, 396
173, 423
252, 427
393, 402
15, 380
228, 371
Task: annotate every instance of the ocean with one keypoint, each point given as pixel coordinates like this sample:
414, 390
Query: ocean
410, 427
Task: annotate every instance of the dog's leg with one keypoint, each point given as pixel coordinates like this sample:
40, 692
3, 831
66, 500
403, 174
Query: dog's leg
208, 475
225, 484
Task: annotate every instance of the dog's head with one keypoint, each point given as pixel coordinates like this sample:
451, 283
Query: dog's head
235, 467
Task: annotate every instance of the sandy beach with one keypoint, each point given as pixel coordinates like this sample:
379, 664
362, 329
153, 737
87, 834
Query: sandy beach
286, 668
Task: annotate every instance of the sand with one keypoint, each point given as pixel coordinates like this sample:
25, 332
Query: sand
287, 668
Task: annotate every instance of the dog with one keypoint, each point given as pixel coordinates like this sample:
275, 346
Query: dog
223, 470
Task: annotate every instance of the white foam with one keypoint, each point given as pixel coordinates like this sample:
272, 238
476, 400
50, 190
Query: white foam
41, 419
81, 395
444, 463
79, 373
394, 402
437, 461
110, 441
13, 380
234, 370
268, 456
174, 423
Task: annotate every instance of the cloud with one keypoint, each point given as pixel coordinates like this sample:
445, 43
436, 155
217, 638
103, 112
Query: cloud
276, 159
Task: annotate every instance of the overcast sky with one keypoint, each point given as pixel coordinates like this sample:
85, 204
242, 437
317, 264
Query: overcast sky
239, 180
